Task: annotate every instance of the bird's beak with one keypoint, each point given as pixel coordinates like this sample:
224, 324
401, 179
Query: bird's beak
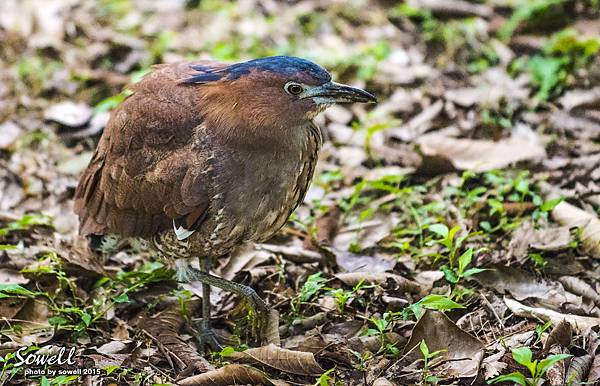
332, 92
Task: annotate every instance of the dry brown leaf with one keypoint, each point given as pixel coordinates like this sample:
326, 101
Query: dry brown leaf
579, 323
579, 369
164, 328
69, 113
556, 374
580, 97
561, 335
367, 234
547, 239
492, 365
351, 262
245, 257
453, 8
294, 362
481, 155
382, 382
580, 287
462, 351
419, 124
229, 375
594, 374
522, 285
571, 216
12, 276
381, 278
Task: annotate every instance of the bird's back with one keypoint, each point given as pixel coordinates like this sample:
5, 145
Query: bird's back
144, 172
158, 161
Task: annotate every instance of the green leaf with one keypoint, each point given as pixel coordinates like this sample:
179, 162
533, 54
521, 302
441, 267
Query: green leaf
227, 351
449, 274
523, 356
313, 284
515, 377
424, 349
438, 302
464, 260
547, 73
121, 298
439, 229
473, 271
15, 289
86, 318
545, 364
547, 206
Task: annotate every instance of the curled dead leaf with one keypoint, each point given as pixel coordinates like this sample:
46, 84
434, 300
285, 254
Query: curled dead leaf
571, 216
579, 323
228, 375
289, 361
398, 282
561, 335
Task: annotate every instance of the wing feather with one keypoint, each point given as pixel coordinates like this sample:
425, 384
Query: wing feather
146, 173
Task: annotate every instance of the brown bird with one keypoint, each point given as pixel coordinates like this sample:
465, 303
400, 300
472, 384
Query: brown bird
204, 156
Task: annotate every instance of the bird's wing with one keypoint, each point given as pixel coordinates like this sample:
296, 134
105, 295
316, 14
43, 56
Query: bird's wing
146, 173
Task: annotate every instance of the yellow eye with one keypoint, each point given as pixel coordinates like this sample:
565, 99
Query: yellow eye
294, 89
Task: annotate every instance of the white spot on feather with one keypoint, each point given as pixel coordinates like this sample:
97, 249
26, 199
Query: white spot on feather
181, 232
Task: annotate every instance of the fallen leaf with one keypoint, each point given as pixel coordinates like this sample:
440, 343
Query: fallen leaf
164, 329
382, 278
9, 133
579, 368
294, 362
522, 285
462, 351
561, 335
481, 155
69, 113
571, 216
580, 97
492, 365
580, 287
579, 323
229, 375
112, 347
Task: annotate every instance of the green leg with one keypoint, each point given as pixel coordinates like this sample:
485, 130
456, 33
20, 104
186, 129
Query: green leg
205, 265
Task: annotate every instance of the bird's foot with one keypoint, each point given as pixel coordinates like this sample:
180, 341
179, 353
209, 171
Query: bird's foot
208, 337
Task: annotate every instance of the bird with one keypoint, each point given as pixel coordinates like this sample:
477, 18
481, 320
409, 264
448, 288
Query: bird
204, 156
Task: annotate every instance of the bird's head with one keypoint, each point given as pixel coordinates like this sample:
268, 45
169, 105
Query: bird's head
273, 93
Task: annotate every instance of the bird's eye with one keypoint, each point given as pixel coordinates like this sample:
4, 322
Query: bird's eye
294, 89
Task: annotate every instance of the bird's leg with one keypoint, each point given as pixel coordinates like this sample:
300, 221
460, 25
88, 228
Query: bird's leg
259, 307
205, 267
186, 274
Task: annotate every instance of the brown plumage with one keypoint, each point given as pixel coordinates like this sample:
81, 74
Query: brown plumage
204, 156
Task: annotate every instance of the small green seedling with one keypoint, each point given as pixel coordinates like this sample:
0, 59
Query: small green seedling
427, 357
537, 369
431, 302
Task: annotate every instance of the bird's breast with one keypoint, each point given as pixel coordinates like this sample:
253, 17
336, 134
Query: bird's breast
254, 192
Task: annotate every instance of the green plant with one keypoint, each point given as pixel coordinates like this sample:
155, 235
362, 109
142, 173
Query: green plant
311, 287
537, 369
523, 11
427, 357
343, 297
26, 222
325, 379
432, 302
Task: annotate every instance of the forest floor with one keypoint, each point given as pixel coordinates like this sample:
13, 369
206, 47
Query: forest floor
451, 234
